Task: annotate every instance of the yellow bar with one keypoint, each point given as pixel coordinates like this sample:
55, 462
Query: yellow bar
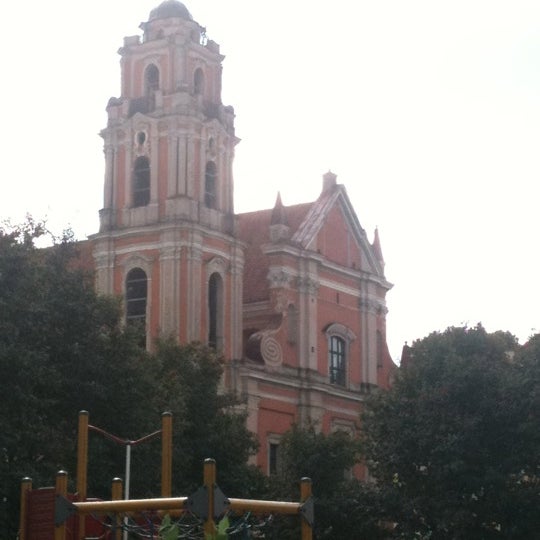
61, 489
26, 486
209, 483
82, 465
261, 507
132, 505
166, 454
116, 495
82, 455
305, 494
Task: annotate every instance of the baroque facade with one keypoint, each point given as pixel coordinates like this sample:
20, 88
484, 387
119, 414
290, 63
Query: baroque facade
292, 297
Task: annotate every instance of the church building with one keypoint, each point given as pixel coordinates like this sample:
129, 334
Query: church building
292, 297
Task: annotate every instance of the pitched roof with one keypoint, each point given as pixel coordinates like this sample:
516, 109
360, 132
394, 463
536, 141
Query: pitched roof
254, 230
304, 222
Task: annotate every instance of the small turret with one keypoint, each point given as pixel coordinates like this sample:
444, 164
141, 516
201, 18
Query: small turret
329, 181
279, 226
376, 245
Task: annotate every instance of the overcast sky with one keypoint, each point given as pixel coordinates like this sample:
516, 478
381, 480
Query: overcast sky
427, 110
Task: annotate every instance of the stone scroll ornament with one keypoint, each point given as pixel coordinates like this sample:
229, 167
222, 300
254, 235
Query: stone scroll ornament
271, 351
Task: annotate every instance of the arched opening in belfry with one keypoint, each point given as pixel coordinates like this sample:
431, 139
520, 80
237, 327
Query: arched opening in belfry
198, 81
151, 79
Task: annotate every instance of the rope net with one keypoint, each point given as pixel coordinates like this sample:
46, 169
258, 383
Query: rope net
154, 526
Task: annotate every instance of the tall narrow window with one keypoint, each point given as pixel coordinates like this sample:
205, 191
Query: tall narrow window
379, 349
215, 302
337, 361
198, 81
151, 80
273, 458
210, 185
141, 181
136, 297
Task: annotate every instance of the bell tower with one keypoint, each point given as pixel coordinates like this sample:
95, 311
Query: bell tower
168, 210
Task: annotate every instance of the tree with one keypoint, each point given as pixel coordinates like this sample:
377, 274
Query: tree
208, 423
344, 506
456, 437
62, 349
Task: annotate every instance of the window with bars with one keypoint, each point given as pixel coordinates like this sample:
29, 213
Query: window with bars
210, 185
337, 361
136, 299
215, 311
141, 181
136, 295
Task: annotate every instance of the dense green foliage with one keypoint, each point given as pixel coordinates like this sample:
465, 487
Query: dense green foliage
454, 445
456, 441
342, 504
63, 349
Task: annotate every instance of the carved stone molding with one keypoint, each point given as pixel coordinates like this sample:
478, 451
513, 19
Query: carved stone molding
216, 264
279, 278
307, 284
372, 305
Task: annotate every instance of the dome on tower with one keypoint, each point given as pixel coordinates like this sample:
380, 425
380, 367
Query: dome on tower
170, 8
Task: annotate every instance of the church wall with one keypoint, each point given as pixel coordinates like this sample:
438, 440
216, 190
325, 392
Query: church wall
296, 286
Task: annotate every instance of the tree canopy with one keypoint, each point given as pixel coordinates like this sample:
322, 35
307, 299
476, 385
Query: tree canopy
64, 348
456, 438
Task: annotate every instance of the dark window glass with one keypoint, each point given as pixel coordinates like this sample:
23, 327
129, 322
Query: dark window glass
336, 361
198, 81
213, 307
273, 458
151, 79
136, 297
210, 185
141, 181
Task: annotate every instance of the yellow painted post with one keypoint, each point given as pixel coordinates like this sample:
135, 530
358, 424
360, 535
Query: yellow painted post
209, 483
26, 486
305, 494
61, 489
166, 454
116, 495
82, 465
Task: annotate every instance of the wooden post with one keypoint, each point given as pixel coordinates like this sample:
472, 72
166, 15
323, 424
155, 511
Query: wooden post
116, 495
166, 454
305, 494
26, 486
209, 483
61, 489
82, 466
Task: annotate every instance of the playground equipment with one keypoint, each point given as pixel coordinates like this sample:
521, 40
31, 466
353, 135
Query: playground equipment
207, 514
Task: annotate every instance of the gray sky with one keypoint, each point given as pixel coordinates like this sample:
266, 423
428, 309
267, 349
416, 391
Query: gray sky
427, 110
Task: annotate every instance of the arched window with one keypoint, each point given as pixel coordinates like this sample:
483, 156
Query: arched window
141, 181
339, 341
136, 297
151, 80
198, 81
210, 177
215, 306
337, 361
